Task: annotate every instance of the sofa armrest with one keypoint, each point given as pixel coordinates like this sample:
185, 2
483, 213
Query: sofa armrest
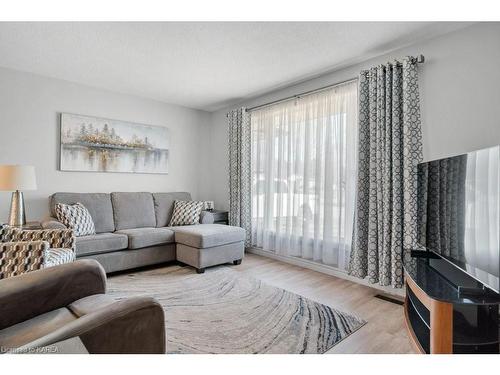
206, 217
52, 223
134, 325
20, 257
31, 294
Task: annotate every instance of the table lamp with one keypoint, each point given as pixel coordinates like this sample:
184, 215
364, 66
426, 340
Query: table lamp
15, 178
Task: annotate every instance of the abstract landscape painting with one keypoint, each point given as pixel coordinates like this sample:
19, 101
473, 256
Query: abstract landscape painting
101, 145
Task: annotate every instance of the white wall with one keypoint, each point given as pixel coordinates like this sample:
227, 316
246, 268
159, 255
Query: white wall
459, 87
29, 134
459, 90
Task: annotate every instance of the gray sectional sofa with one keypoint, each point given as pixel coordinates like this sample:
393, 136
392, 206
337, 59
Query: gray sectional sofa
132, 231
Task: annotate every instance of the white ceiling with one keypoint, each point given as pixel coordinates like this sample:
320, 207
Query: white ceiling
204, 65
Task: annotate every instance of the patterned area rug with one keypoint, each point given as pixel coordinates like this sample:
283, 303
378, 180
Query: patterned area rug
224, 312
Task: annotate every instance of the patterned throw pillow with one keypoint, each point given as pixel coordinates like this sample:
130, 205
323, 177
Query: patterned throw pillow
186, 212
76, 217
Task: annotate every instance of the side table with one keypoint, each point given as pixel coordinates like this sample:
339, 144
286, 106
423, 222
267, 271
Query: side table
220, 217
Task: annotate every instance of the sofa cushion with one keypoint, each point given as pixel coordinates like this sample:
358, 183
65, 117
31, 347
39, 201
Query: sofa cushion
133, 210
144, 237
34, 328
89, 304
164, 206
98, 205
100, 243
208, 235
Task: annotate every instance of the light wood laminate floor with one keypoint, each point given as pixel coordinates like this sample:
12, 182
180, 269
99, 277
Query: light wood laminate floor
385, 331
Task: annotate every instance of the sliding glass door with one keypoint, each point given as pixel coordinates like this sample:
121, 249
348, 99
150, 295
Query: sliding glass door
303, 176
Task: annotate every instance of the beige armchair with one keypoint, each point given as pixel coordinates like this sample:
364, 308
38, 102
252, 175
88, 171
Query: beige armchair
45, 307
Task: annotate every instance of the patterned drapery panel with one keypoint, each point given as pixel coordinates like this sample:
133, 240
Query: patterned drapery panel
390, 147
239, 171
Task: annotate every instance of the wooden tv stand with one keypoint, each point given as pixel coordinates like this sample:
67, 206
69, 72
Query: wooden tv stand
440, 320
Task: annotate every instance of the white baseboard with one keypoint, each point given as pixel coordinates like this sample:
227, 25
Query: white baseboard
325, 269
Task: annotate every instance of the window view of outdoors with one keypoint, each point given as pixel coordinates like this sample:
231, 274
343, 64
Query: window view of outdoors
299, 196
303, 176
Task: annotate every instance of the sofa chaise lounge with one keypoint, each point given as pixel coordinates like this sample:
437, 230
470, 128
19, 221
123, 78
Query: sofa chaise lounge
132, 230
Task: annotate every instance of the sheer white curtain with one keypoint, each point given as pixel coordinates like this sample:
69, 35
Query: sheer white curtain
303, 175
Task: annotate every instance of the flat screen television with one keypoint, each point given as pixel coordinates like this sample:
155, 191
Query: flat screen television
459, 212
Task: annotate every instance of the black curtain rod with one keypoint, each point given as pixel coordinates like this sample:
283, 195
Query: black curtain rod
297, 96
419, 59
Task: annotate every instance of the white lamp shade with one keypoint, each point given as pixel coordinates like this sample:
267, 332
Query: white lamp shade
17, 177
